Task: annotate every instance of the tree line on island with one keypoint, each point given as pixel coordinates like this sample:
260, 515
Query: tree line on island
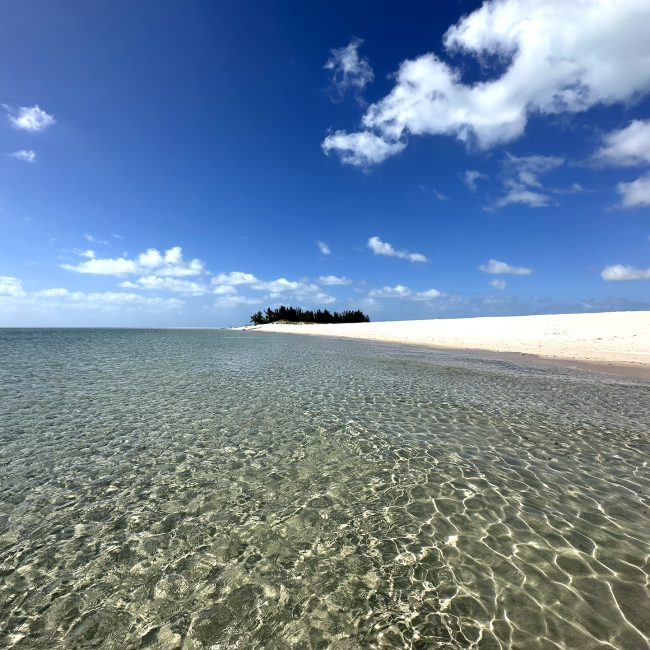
297, 315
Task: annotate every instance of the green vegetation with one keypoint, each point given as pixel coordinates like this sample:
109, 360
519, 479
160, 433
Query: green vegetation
297, 315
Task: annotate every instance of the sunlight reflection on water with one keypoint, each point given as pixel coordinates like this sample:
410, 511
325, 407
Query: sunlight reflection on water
195, 489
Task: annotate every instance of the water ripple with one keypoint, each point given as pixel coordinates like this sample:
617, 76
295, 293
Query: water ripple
191, 490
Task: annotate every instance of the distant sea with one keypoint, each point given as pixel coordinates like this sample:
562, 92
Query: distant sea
220, 489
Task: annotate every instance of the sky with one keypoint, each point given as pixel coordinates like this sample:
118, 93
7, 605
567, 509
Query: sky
167, 163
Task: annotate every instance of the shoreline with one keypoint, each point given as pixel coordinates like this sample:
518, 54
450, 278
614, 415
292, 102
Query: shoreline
610, 342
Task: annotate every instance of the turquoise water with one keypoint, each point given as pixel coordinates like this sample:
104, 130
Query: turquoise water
214, 489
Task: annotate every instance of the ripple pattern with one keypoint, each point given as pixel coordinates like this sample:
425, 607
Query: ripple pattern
207, 489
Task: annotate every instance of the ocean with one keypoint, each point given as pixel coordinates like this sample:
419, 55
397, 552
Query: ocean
222, 489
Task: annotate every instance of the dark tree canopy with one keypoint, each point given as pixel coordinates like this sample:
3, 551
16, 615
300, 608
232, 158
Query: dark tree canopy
298, 315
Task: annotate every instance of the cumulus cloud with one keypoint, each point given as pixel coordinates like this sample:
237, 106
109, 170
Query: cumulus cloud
496, 267
627, 147
52, 293
401, 291
429, 294
31, 118
280, 287
470, 178
333, 280
11, 287
235, 301
283, 288
323, 248
108, 266
224, 290
498, 284
635, 193
234, 278
151, 262
398, 291
361, 149
348, 70
378, 247
560, 57
158, 283
620, 272
26, 155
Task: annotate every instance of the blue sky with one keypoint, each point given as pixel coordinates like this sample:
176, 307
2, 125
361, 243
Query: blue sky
186, 163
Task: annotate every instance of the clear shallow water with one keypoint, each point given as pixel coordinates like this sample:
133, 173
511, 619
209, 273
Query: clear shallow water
207, 489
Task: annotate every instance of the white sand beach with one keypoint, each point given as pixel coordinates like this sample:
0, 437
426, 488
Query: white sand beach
615, 338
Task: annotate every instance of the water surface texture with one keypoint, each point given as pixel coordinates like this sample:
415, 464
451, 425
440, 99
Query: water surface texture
211, 489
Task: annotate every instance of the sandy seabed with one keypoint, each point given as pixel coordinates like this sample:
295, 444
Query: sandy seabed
618, 338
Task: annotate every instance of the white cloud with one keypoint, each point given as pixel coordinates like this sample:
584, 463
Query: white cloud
498, 284
235, 301
52, 293
348, 69
151, 262
234, 278
333, 280
31, 118
93, 239
323, 247
635, 193
98, 300
89, 253
628, 146
26, 155
379, 247
60, 298
560, 57
224, 289
11, 287
574, 188
116, 266
522, 182
157, 283
516, 195
528, 167
398, 291
401, 291
280, 287
441, 196
470, 177
361, 149
523, 197
429, 294
496, 267
620, 272
283, 288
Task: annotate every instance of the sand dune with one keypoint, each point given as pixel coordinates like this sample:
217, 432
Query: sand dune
620, 338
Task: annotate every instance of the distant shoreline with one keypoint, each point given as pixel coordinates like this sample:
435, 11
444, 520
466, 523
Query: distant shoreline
620, 339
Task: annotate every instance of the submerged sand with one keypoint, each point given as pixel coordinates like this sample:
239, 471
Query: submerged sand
619, 338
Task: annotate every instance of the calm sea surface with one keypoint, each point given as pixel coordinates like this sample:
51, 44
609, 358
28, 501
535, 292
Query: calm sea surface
214, 489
